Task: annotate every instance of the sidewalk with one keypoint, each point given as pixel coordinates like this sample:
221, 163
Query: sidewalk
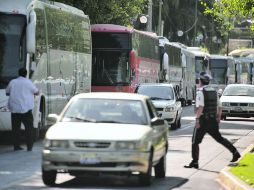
226, 178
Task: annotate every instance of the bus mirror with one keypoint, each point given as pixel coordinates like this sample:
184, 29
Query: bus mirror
33, 66
30, 32
184, 64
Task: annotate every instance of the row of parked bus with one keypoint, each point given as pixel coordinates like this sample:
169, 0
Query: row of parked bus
65, 55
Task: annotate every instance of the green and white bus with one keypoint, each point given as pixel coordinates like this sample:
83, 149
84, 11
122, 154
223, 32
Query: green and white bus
53, 41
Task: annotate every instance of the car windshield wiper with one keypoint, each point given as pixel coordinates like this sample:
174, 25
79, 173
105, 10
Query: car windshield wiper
82, 119
157, 98
108, 121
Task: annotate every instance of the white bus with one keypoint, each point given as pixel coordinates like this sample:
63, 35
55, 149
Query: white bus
222, 71
53, 41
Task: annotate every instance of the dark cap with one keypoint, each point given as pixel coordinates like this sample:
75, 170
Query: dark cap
204, 76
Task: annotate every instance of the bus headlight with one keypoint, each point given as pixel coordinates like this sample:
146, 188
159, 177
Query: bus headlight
251, 104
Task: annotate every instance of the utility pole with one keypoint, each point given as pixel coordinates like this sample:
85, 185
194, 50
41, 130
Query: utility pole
150, 15
159, 21
195, 27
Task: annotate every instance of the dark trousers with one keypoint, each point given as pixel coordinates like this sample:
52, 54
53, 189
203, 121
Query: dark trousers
27, 120
210, 126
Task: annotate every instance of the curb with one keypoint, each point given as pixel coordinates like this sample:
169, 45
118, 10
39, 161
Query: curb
230, 181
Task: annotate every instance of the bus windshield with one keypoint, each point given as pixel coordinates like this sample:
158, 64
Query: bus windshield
218, 70
12, 46
110, 68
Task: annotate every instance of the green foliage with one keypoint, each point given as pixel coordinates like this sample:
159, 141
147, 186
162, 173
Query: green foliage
227, 12
244, 170
121, 12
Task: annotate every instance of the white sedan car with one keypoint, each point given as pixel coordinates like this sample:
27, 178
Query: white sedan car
106, 132
238, 101
165, 101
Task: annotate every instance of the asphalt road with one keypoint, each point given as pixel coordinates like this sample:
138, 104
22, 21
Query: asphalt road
21, 170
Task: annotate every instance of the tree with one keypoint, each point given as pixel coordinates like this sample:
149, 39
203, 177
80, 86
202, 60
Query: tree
120, 12
228, 12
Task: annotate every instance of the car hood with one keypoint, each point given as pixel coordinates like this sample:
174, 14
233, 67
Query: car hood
96, 131
239, 99
163, 103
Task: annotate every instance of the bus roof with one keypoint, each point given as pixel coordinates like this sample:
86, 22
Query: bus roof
242, 53
119, 29
110, 28
23, 7
217, 56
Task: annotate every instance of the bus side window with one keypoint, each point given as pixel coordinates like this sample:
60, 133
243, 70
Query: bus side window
40, 34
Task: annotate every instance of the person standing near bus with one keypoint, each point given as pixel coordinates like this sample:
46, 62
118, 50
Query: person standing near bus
21, 92
208, 115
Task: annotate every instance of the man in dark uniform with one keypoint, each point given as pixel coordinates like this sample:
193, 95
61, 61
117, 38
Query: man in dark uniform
208, 114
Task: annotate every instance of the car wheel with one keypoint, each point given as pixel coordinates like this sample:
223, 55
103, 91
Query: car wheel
179, 123
224, 117
48, 177
145, 179
160, 168
175, 124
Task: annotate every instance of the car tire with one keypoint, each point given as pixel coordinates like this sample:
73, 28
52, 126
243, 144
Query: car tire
145, 179
48, 177
160, 168
174, 125
179, 123
224, 117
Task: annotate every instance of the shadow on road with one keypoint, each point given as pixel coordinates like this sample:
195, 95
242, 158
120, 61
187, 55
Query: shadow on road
120, 182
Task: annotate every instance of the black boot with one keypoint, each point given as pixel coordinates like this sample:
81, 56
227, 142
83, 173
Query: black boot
236, 156
193, 164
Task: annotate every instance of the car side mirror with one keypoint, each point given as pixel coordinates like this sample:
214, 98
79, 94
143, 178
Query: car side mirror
53, 118
157, 121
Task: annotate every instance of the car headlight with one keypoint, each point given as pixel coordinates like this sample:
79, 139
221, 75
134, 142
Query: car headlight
226, 104
170, 109
127, 145
251, 104
56, 144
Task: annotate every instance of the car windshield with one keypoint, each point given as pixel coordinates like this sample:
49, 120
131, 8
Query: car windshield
239, 91
106, 111
157, 92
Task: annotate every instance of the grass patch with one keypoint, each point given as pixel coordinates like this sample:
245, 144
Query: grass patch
244, 170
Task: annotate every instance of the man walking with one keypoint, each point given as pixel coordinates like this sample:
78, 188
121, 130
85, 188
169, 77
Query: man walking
208, 114
21, 93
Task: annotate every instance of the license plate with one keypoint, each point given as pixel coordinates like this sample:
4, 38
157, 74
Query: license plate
89, 159
239, 109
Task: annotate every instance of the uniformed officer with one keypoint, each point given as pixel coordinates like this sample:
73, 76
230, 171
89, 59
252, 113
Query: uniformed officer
208, 114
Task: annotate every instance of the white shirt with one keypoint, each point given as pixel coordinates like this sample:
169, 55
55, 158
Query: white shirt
166, 65
21, 95
200, 98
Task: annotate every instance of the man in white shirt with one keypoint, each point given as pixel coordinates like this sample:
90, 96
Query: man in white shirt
208, 115
21, 92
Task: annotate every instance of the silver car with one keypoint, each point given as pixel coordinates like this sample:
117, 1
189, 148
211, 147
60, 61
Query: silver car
106, 132
165, 101
238, 101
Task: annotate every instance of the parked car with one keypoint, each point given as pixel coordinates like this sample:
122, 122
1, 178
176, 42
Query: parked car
238, 101
106, 132
165, 100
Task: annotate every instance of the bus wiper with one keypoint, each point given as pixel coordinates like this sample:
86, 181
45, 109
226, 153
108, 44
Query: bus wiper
121, 83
